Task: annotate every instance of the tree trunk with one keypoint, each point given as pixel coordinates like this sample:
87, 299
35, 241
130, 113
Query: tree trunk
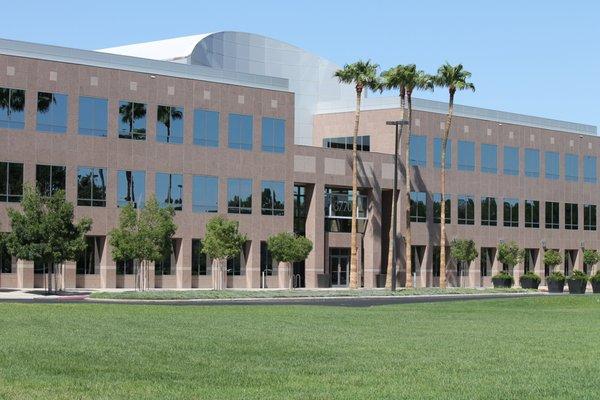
443, 193
388, 276
353, 242
48, 277
407, 169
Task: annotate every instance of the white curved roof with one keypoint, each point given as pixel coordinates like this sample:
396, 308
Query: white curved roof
166, 50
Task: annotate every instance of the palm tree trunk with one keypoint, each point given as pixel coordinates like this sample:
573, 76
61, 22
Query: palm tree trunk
443, 193
353, 242
388, 276
407, 235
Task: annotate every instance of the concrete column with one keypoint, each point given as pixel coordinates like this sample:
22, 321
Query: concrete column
518, 270
579, 260
425, 268
315, 231
253, 265
372, 239
539, 265
284, 275
475, 272
183, 266
24, 274
496, 265
69, 270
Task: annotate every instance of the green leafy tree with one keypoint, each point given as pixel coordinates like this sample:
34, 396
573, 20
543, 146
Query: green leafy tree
144, 236
287, 247
221, 242
464, 251
44, 231
454, 78
510, 254
552, 258
590, 257
363, 75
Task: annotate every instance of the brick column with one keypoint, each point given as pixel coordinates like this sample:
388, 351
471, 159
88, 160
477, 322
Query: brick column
315, 231
108, 269
475, 272
253, 265
69, 269
183, 267
372, 240
24, 274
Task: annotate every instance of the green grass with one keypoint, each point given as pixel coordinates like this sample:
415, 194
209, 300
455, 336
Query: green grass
262, 294
529, 348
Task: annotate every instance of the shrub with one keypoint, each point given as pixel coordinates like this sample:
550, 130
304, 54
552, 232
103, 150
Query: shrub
590, 257
504, 275
578, 275
556, 277
287, 247
552, 258
510, 254
530, 275
595, 278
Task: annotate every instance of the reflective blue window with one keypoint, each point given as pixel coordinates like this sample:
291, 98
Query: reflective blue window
132, 120
489, 158
437, 153
418, 150
205, 194
273, 197
93, 116
571, 167
169, 190
52, 112
12, 108
532, 163
511, 160
273, 135
240, 131
206, 128
239, 196
589, 169
131, 188
169, 124
91, 186
551, 160
466, 155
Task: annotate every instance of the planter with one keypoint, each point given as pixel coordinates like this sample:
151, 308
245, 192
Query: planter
502, 282
556, 286
323, 280
596, 287
576, 286
530, 283
380, 280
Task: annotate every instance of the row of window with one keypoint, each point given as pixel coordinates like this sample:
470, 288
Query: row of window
510, 207
363, 143
52, 115
511, 160
131, 188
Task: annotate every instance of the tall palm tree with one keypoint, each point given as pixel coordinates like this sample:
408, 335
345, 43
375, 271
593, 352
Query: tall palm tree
453, 77
394, 78
419, 80
129, 113
363, 75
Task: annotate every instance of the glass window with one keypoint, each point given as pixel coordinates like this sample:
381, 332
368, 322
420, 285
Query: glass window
532, 163
486, 260
273, 135
273, 197
589, 169
418, 207
437, 208
511, 160
5, 260
11, 182
267, 266
466, 155
552, 215
239, 196
571, 216
571, 167
131, 188
489, 158
206, 128
163, 267
12, 108
532, 214
363, 143
93, 116
52, 112
300, 209
50, 178
169, 190
418, 150
205, 194
86, 262
589, 217
551, 160
489, 211
199, 259
169, 124
125, 267
511, 213
132, 120
236, 264
91, 187
437, 153
240, 131
466, 210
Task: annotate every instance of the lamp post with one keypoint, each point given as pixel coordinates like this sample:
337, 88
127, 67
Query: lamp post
395, 199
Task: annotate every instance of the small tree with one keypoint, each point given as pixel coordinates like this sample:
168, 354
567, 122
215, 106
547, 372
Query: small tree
590, 257
221, 242
44, 231
143, 236
552, 258
287, 248
463, 251
510, 254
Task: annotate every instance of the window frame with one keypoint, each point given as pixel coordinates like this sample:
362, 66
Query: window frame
97, 130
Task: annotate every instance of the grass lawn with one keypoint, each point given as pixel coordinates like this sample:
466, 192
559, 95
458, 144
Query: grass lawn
244, 294
530, 348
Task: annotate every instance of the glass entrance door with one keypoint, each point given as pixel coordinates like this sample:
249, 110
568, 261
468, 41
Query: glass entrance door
339, 264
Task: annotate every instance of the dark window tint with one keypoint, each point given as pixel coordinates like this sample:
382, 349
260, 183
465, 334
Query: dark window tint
169, 190
437, 208
511, 213
571, 216
273, 135
273, 197
131, 188
363, 143
466, 210
11, 182
132, 120
300, 209
87, 260
52, 112
93, 116
91, 186
169, 124
5, 260
418, 207
489, 211
589, 217
199, 259
205, 194
552, 215
240, 131
239, 196
12, 108
532, 214
266, 260
125, 267
50, 178
206, 128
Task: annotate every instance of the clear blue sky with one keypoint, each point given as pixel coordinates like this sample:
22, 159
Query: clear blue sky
532, 57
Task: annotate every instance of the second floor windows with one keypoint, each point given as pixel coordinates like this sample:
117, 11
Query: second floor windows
132, 120
489, 158
532, 214
589, 169
273, 198
169, 124
12, 108
571, 216
437, 208
552, 215
532, 163
91, 186
239, 196
273, 135
466, 155
50, 178
437, 153
571, 167
11, 182
131, 188
363, 143
240, 132
206, 128
511, 160
489, 211
52, 112
169, 190
589, 217
466, 210
551, 161
511, 213
205, 194
418, 207
418, 150
93, 116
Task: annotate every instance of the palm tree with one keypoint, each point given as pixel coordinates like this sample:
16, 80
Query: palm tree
415, 79
129, 113
453, 77
363, 75
167, 114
